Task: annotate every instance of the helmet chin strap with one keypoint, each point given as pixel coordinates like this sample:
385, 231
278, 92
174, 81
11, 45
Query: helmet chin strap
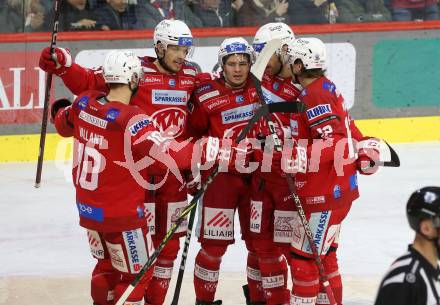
133, 90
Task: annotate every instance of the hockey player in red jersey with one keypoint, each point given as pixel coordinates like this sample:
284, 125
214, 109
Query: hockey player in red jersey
330, 186
269, 226
163, 93
221, 108
110, 209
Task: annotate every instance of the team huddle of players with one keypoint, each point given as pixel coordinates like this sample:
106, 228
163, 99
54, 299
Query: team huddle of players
132, 182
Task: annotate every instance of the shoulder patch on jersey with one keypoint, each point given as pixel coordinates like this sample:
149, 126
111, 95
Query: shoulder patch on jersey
138, 126
189, 72
112, 114
329, 86
208, 95
91, 119
399, 278
83, 102
318, 111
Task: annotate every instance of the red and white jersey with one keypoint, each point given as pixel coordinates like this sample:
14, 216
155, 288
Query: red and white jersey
108, 197
164, 97
325, 128
220, 111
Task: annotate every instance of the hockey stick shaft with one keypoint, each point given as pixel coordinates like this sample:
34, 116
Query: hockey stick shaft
184, 257
53, 43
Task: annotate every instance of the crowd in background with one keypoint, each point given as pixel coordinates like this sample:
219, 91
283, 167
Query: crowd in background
79, 15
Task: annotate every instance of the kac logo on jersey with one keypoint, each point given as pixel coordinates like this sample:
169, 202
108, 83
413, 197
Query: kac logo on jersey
353, 182
136, 127
112, 114
239, 99
337, 192
172, 82
238, 114
329, 86
169, 97
83, 102
304, 92
276, 86
318, 111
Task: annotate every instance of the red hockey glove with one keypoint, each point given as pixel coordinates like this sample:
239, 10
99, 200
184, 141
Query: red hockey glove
224, 152
193, 183
288, 161
57, 62
368, 155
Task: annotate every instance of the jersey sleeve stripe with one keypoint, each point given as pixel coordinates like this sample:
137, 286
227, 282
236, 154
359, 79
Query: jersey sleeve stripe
399, 278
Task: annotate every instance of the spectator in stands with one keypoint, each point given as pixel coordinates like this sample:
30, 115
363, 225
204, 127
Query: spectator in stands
308, 11
212, 14
76, 16
152, 12
22, 15
351, 11
117, 15
258, 12
407, 10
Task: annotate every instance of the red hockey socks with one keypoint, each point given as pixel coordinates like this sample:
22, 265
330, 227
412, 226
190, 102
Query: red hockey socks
158, 286
256, 293
104, 280
273, 267
206, 271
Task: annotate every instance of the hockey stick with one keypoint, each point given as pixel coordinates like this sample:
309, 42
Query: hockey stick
256, 75
394, 162
184, 257
56, 9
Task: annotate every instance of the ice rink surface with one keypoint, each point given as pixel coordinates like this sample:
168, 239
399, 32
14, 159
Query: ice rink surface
44, 256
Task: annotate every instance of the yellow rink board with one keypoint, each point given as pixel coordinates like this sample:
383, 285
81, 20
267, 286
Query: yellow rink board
24, 148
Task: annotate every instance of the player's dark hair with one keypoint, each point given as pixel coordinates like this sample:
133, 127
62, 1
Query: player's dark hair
224, 59
310, 73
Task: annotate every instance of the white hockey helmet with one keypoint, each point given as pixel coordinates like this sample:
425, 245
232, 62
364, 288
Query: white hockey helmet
235, 45
172, 32
311, 51
271, 31
121, 67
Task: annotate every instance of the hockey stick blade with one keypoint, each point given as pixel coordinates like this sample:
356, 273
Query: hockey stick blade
395, 161
263, 58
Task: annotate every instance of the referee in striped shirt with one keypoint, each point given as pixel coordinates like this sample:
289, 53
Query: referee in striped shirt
414, 278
